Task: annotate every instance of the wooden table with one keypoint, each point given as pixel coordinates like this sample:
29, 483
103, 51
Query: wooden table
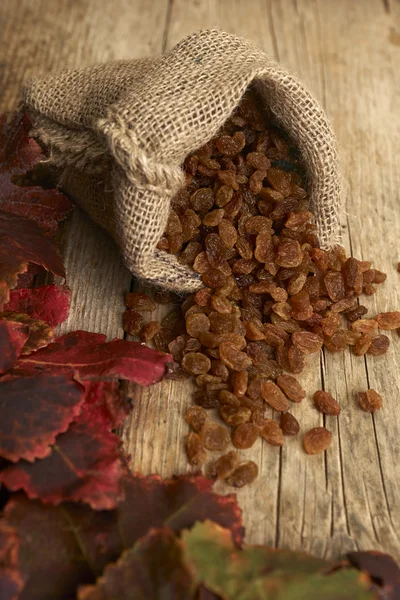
347, 52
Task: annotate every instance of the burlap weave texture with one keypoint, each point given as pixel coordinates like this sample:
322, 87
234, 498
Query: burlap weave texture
119, 133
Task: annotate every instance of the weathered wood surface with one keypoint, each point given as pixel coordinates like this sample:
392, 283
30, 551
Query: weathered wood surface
347, 52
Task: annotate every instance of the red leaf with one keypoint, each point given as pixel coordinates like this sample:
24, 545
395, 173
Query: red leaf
39, 333
11, 581
23, 242
106, 402
34, 409
84, 465
19, 154
12, 339
154, 568
383, 571
49, 303
90, 357
77, 542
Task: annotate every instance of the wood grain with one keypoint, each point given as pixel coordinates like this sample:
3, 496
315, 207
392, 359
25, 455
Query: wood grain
348, 54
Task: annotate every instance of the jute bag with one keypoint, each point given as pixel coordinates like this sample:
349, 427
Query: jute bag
119, 133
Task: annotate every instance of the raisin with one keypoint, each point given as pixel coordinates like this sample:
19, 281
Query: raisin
132, 322
224, 466
214, 278
370, 401
203, 296
192, 345
320, 258
243, 475
221, 304
254, 225
233, 358
272, 433
213, 218
296, 283
202, 200
234, 415
289, 254
289, 424
149, 331
239, 382
177, 346
274, 396
297, 221
206, 399
256, 181
196, 363
196, 416
301, 306
219, 370
317, 440
388, 321
202, 380
343, 305
362, 346
197, 324
139, 301
379, 345
331, 324
215, 250
189, 254
227, 234
379, 277
264, 250
280, 181
223, 196
326, 403
230, 146
307, 342
214, 437
296, 359
201, 264
353, 276
245, 435
195, 449
291, 387
364, 325
334, 283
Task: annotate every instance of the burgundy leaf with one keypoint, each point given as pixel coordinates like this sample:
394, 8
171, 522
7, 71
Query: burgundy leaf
91, 357
84, 465
39, 333
12, 339
382, 569
23, 242
76, 542
49, 303
11, 581
106, 402
34, 409
154, 568
19, 154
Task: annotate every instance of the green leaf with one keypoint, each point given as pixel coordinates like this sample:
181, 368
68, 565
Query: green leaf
260, 573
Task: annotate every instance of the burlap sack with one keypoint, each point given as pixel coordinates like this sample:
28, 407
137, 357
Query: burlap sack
120, 132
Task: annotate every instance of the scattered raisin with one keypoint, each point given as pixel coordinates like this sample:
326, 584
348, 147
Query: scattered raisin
245, 435
326, 403
272, 433
215, 437
317, 440
132, 322
289, 424
139, 301
291, 387
224, 466
370, 401
243, 475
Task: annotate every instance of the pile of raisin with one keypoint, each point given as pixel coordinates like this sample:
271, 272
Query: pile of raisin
270, 294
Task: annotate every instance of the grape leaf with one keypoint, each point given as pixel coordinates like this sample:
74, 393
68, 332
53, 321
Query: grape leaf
77, 542
261, 573
23, 242
107, 403
84, 465
39, 333
153, 568
34, 409
18, 154
48, 303
383, 571
11, 581
91, 357
12, 339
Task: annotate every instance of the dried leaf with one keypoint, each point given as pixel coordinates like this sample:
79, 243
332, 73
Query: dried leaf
90, 357
49, 303
154, 568
12, 339
23, 242
76, 542
382, 569
18, 154
34, 409
40, 334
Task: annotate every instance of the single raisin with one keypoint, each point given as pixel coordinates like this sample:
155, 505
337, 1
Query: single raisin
317, 440
243, 475
326, 403
224, 466
291, 387
289, 424
370, 401
245, 435
214, 437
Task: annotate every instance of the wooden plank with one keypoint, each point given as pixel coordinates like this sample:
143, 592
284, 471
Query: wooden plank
326, 505
43, 36
347, 54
